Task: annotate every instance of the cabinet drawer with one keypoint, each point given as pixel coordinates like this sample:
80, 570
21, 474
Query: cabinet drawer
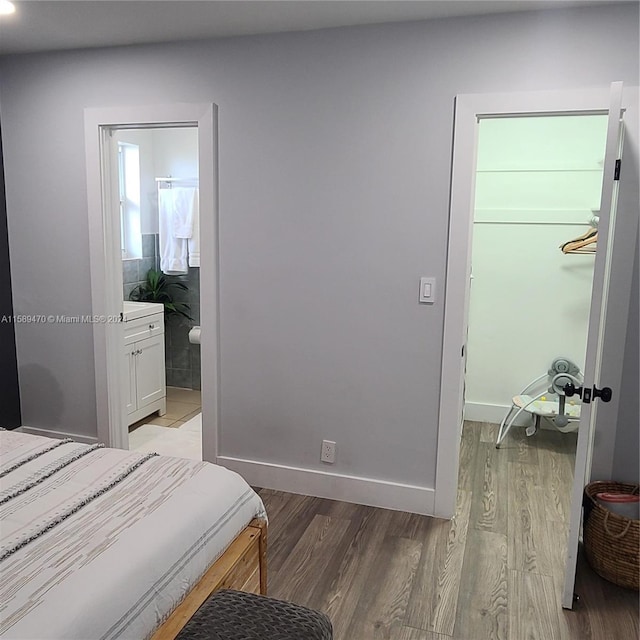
142, 328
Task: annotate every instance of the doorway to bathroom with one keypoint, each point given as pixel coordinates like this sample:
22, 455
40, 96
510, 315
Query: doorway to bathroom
158, 203
152, 196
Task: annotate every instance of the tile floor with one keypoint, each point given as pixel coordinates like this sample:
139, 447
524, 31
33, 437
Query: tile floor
177, 433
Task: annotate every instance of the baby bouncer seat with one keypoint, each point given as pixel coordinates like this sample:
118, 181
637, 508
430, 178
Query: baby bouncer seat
545, 397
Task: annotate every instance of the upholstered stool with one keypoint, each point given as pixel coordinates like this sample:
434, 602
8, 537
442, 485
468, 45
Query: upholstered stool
235, 615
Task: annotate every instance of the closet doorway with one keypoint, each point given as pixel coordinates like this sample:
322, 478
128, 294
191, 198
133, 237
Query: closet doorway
470, 111
538, 184
121, 244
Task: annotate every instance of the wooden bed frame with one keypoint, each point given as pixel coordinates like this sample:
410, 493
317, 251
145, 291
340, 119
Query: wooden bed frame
243, 566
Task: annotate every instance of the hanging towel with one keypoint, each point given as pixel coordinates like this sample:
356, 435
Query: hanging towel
194, 240
184, 209
173, 251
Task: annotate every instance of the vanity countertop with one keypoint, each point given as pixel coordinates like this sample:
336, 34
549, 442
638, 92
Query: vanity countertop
134, 310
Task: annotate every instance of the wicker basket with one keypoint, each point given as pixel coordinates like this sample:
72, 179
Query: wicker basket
611, 541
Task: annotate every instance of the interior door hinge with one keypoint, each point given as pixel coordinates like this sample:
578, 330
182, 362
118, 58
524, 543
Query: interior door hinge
616, 171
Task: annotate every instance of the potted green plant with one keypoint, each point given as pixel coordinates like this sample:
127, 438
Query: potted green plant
157, 288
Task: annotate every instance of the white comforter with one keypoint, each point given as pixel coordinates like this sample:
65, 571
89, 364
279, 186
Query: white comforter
101, 543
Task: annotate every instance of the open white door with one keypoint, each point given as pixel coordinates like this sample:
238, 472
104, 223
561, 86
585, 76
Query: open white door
591, 388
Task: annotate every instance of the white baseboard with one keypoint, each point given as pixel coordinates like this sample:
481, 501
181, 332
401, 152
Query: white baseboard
36, 431
322, 484
494, 413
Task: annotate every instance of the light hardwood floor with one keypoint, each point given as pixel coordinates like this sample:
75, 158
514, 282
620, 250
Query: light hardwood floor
494, 572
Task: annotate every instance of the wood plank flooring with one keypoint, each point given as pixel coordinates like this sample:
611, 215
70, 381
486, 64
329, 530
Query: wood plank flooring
494, 572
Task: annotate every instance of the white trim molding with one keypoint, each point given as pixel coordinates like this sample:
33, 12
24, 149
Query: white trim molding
334, 486
468, 110
494, 413
105, 255
61, 435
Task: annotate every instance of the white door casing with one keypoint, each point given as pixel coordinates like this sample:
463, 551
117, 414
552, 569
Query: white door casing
456, 309
469, 109
105, 260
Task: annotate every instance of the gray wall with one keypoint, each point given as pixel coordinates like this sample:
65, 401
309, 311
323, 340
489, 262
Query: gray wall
335, 152
9, 391
625, 462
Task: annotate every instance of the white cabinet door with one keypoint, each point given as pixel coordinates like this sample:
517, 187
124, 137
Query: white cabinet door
150, 374
130, 383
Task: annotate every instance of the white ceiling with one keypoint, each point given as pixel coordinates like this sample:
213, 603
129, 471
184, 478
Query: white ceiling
42, 25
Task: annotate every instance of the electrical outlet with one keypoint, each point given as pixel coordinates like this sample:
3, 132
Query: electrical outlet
328, 452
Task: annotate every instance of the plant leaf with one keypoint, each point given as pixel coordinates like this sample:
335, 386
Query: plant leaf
157, 288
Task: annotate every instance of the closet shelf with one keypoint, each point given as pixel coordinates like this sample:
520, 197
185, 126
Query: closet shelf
593, 170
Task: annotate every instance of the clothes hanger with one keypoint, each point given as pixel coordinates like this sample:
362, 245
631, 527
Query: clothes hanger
588, 249
586, 243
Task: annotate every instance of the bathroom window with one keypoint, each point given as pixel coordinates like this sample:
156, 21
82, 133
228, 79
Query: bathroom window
129, 199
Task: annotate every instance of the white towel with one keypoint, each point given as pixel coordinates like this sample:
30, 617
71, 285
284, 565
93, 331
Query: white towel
194, 240
173, 251
184, 208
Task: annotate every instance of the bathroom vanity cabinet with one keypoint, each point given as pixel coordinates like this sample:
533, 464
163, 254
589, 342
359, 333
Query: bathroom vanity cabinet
145, 390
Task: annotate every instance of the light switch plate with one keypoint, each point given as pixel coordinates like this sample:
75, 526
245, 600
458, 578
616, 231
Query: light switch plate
427, 290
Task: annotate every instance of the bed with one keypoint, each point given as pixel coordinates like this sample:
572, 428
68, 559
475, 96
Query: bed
100, 543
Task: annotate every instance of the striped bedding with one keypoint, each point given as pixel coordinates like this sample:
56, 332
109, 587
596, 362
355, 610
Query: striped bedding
101, 543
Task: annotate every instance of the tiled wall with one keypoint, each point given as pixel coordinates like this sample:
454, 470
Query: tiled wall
181, 357
134, 272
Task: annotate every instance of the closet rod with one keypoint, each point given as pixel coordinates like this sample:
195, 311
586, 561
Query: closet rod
536, 222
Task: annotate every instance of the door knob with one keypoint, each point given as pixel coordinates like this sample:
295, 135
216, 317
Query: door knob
570, 390
605, 394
